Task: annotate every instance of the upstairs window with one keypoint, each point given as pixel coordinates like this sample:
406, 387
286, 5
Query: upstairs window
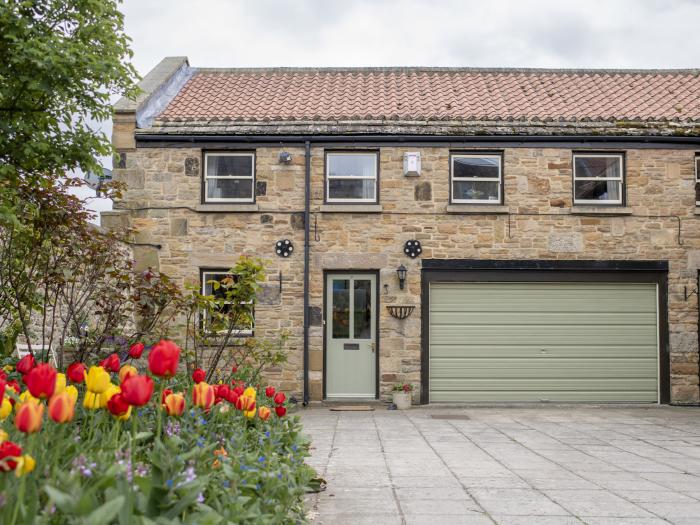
598, 178
351, 177
229, 177
476, 179
697, 180
215, 282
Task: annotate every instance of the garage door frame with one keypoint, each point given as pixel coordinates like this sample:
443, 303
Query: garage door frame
468, 270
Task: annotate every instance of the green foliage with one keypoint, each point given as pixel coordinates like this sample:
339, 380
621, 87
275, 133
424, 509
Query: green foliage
204, 467
61, 62
215, 323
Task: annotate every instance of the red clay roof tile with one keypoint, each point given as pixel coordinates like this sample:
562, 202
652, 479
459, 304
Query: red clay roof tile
406, 94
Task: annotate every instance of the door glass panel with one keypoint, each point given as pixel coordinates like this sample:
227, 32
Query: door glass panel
341, 309
362, 309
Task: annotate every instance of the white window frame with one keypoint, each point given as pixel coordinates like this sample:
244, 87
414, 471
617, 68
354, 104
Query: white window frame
498, 179
375, 178
251, 178
621, 179
207, 276
696, 160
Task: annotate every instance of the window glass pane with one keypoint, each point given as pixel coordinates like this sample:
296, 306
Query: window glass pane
597, 166
229, 188
341, 309
485, 167
697, 168
351, 189
597, 190
230, 165
209, 286
363, 309
352, 165
475, 190
697, 192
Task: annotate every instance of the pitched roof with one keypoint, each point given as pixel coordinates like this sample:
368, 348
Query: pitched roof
436, 94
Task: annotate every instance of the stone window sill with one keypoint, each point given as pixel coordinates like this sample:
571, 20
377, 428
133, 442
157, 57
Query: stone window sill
351, 208
478, 209
227, 208
697, 210
601, 210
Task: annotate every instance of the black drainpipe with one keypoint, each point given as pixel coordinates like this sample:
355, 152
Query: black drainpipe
307, 221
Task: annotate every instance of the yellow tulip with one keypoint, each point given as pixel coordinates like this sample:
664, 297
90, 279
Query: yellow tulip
60, 383
107, 394
250, 392
3, 436
97, 379
24, 397
126, 415
25, 464
72, 393
91, 400
5, 408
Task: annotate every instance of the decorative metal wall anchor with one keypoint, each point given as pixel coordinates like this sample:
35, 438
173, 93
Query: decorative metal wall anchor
400, 311
412, 249
284, 248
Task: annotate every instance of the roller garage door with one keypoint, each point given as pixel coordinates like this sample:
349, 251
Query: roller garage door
535, 341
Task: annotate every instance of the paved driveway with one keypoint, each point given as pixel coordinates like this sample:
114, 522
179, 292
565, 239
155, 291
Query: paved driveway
513, 466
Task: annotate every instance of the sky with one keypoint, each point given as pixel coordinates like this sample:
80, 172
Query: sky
613, 34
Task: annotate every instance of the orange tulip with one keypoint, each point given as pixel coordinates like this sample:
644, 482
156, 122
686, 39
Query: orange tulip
127, 371
203, 395
264, 413
62, 407
174, 404
28, 417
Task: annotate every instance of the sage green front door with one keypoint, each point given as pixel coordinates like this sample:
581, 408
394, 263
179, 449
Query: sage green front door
351, 359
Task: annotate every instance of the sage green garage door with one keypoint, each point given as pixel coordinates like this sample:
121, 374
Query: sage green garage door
592, 342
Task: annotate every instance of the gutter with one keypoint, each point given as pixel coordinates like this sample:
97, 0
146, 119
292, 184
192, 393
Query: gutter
613, 140
307, 248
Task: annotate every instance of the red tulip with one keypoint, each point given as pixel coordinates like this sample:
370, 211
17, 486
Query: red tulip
239, 390
166, 393
76, 372
280, 398
175, 404
3, 383
9, 452
136, 350
163, 359
137, 390
234, 369
199, 375
111, 363
29, 417
25, 364
232, 397
41, 381
270, 391
221, 392
280, 411
203, 395
118, 405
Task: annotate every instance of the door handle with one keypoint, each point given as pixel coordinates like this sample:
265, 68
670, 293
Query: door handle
371, 345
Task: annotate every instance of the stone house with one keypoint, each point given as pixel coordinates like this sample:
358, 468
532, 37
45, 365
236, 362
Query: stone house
485, 234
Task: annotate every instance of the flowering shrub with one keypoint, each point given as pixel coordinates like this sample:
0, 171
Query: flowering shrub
402, 387
135, 442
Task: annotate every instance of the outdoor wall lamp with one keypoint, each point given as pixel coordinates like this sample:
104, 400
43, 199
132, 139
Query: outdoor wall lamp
401, 273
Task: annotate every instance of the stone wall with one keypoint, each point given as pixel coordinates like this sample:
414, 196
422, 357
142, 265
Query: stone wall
165, 189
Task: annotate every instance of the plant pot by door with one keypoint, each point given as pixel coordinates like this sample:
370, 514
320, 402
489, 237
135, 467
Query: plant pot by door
402, 400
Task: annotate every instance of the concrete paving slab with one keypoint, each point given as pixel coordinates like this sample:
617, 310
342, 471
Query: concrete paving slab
551, 465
